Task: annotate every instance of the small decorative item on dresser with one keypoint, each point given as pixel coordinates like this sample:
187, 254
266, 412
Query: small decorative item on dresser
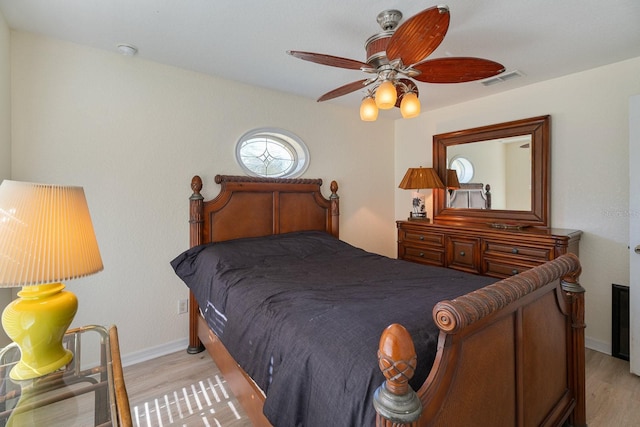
415, 179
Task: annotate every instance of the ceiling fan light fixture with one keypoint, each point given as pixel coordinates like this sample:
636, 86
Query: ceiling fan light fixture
410, 105
397, 56
386, 95
368, 110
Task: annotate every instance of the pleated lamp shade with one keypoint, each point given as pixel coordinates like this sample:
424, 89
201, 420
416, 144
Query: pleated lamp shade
46, 234
417, 178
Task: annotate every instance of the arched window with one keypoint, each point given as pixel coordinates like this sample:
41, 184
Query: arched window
463, 167
272, 153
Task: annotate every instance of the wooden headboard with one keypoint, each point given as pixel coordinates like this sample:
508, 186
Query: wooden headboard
471, 195
256, 207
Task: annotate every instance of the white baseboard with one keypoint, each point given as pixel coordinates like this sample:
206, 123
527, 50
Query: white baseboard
153, 352
601, 346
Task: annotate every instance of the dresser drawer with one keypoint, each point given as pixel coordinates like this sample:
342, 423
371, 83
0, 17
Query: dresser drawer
423, 255
421, 237
501, 269
483, 250
463, 253
520, 251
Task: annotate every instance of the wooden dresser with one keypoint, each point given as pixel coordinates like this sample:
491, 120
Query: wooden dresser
482, 249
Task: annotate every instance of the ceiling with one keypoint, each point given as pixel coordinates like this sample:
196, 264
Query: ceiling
247, 40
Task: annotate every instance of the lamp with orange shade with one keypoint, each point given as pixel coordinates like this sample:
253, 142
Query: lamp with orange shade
416, 179
452, 180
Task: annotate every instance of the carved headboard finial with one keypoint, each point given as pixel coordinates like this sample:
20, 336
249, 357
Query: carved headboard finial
334, 190
196, 185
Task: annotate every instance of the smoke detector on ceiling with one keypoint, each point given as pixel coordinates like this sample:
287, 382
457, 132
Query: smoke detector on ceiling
127, 49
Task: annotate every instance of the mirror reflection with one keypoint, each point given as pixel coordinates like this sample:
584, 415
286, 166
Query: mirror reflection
503, 171
493, 174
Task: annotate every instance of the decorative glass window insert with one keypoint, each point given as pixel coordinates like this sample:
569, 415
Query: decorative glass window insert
463, 167
272, 153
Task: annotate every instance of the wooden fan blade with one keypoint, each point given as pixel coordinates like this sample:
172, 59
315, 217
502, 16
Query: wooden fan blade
419, 36
343, 90
456, 70
333, 61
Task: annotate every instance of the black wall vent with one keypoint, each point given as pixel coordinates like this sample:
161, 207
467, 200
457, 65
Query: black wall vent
620, 321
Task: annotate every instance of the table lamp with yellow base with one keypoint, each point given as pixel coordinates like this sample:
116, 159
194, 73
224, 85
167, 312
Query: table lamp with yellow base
46, 236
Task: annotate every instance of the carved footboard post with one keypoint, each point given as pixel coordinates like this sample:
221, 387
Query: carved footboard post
196, 222
397, 405
575, 291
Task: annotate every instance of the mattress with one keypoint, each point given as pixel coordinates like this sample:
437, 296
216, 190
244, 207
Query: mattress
302, 313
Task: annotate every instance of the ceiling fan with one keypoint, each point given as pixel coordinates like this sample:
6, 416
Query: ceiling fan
396, 56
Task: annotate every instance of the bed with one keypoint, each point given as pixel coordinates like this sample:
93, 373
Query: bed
506, 353
471, 195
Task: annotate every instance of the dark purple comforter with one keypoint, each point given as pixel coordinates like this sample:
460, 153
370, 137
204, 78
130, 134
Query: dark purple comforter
302, 313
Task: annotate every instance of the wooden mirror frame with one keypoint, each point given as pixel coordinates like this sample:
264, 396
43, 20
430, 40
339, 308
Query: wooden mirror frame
540, 130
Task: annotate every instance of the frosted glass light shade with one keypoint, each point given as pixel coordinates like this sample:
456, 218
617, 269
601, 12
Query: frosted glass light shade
368, 110
46, 234
386, 95
410, 105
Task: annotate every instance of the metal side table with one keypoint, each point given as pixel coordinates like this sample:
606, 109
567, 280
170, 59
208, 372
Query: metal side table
90, 390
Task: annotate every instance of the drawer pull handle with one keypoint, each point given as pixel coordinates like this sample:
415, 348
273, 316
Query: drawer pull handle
462, 253
514, 250
514, 271
422, 254
421, 237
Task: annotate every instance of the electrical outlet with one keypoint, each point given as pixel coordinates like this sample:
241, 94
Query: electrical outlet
183, 306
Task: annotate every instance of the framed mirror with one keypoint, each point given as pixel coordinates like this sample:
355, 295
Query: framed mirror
510, 168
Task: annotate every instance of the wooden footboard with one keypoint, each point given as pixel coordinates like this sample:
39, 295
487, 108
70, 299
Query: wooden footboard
510, 354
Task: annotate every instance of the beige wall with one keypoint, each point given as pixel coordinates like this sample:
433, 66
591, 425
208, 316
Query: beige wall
5, 100
518, 169
589, 171
133, 133
5, 131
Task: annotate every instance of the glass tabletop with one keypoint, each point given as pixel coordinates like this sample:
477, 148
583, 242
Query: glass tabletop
80, 394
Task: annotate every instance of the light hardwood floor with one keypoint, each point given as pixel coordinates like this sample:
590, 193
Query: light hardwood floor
613, 394
161, 393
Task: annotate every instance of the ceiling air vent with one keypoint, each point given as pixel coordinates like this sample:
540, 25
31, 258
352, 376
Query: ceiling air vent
502, 78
